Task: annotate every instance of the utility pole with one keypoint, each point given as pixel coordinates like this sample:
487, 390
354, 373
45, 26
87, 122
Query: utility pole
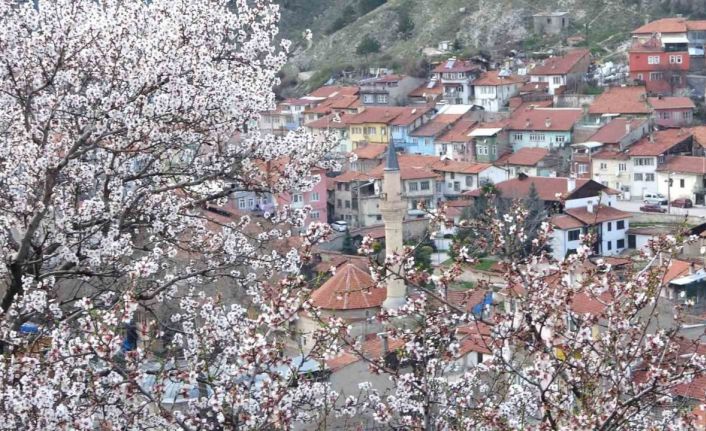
669, 193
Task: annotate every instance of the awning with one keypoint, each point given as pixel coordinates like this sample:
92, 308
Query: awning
485, 132
692, 278
674, 38
590, 145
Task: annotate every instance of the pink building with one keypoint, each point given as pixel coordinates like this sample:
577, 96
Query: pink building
316, 199
672, 111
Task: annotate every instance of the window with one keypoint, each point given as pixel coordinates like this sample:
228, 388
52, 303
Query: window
492, 150
251, 203
383, 130
681, 183
378, 217
649, 177
574, 235
656, 76
537, 137
424, 185
339, 186
557, 80
412, 187
348, 204
371, 131
644, 161
675, 59
297, 198
620, 244
368, 98
664, 115
348, 187
675, 79
241, 203
687, 116
482, 150
610, 226
354, 204
382, 98
444, 148
638, 176
452, 175
314, 196
518, 136
604, 166
622, 167
560, 138
653, 59
609, 245
582, 168
469, 181
640, 77
314, 215
339, 203
620, 224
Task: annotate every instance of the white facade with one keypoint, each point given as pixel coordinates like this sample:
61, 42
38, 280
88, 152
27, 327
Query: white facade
613, 173
555, 81
456, 183
644, 175
683, 184
494, 97
561, 242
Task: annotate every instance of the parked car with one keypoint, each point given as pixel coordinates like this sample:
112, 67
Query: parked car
682, 203
339, 225
654, 198
652, 208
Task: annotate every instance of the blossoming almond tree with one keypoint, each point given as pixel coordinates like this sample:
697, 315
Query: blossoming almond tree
121, 123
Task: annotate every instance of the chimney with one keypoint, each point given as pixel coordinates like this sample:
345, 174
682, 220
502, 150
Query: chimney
528, 123
547, 122
570, 184
589, 207
385, 345
628, 127
651, 138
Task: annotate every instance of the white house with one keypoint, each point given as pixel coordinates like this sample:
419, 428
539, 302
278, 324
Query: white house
562, 71
683, 177
494, 89
542, 127
460, 177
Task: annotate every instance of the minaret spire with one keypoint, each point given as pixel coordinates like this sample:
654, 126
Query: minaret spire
393, 209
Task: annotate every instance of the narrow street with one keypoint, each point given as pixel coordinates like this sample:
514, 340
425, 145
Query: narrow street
634, 206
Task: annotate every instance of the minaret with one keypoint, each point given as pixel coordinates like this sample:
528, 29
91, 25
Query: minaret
393, 209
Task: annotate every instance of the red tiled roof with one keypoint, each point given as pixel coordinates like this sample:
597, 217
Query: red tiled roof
298, 102
671, 103
663, 141
493, 78
459, 131
560, 65
424, 90
457, 66
547, 187
331, 121
616, 130
392, 77
535, 87
544, 119
410, 115
523, 157
564, 222
407, 172
432, 128
466, 299
349, 176
371, 348
699, 134
378, 114
334, 90
610, 155
684, 165
664, 25
370, 151
600, 214
584, 303
677, 269
621, 100
459, 167
350, 288
336, 260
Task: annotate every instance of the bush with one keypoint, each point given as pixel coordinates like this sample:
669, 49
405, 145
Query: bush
369, 45
365, 6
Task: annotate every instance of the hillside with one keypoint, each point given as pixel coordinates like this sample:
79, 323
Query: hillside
475, 25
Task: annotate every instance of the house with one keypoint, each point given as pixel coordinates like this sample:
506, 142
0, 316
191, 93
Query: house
329, 99
621, 132
651, 151
676, 35
316, 199
698, 134
333, 124
565, 71
494, 89
373, 124
620, 101
456, 144
429, 92
581, 154
672, 111
608, 224
456, 77
490, 141
421, 186
348, 191
389, 90
612, 169
542, 127
424, 137
534, 162
368, 157
461, 177
661, 63
410, 119
683, 177
550, 22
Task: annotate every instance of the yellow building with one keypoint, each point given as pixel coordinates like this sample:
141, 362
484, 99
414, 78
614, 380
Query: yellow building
373, 124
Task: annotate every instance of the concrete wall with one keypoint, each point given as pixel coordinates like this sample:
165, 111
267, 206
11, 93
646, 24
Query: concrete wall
675, 219
573, 100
